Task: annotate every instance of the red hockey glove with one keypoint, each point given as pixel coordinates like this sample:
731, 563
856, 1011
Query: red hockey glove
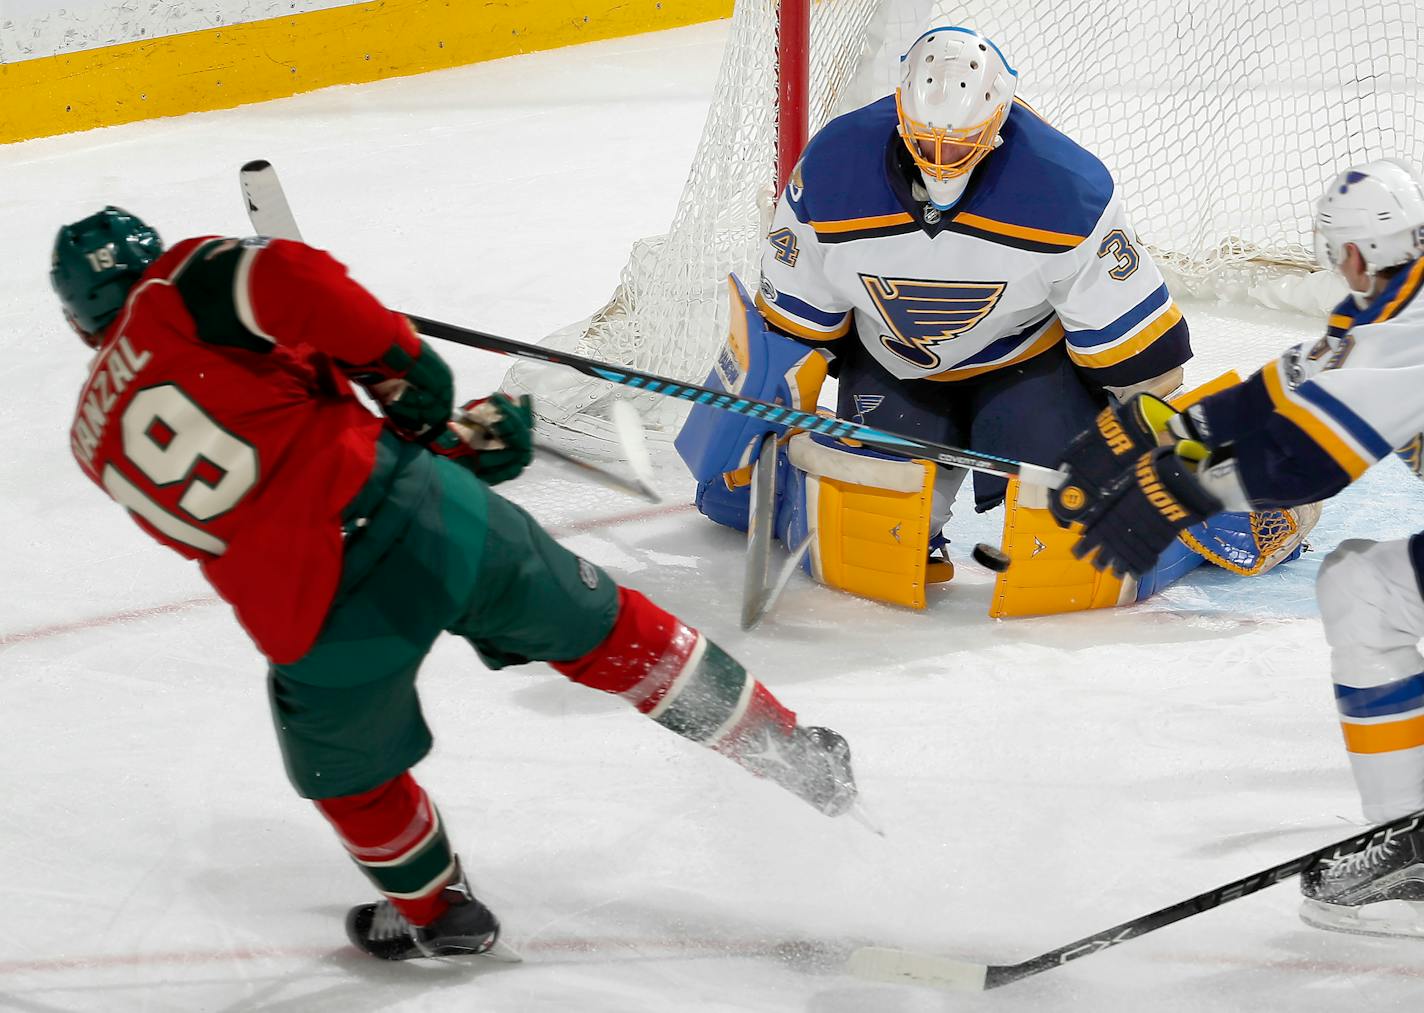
1135, 521
414, 387
493, 437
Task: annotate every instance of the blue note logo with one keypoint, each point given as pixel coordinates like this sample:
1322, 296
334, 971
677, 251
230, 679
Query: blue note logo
864, 405
921, 314
1412, 454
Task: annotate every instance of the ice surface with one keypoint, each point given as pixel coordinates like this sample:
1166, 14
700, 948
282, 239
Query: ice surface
1037, 780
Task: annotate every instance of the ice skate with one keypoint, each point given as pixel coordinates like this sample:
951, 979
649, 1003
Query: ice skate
811, 763
467, 928
1375, 892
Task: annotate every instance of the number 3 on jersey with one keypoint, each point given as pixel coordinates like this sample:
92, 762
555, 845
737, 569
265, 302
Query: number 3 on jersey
167, 437
1119, 247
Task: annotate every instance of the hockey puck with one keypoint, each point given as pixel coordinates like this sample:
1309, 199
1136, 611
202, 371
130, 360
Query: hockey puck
991, 558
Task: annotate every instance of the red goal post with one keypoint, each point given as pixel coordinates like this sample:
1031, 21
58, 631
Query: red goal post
793, 86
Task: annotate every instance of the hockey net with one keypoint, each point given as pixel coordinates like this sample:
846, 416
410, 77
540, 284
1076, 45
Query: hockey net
1220, 119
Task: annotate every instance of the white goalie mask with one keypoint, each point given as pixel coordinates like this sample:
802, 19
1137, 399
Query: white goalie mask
955, 90
1379, 207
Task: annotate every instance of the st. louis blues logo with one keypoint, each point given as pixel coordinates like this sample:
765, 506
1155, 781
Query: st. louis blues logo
1412, 454
865, 404
920, 314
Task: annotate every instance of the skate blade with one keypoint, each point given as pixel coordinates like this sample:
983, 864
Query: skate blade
1391, 918
504, 953
862, 815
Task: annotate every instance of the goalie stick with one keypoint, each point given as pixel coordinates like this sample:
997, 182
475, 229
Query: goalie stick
912, 967
264, 196
271, 215
760, 590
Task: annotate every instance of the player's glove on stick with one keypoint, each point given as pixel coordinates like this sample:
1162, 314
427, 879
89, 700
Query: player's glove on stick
492, 436
1096, 458
1138, 518
413, 385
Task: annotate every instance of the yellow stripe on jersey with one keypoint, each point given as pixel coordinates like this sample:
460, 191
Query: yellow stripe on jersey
1164, 322
791, 326
1311, 424
1050, 337
1341, 321
857, 224
1384, 737
1018, 231
1405, 293
1020, 102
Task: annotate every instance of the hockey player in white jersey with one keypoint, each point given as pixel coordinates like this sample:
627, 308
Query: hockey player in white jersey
968, 274
1301, 429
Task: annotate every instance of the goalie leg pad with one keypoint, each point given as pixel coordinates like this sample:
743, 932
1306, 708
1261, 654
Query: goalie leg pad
1370, 606
1045, 577
717, 502
870, 513
755, 363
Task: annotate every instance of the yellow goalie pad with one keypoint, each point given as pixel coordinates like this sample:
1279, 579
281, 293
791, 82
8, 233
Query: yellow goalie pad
1045, 577
871, 519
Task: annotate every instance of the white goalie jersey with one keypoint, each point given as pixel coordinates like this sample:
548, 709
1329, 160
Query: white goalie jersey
1037, 252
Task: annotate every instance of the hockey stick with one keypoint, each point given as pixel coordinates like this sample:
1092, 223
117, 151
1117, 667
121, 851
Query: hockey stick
909, 966
271, 215
879, 439
760, 590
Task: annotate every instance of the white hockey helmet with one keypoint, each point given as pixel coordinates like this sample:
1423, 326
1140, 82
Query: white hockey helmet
955, 90
1378, 206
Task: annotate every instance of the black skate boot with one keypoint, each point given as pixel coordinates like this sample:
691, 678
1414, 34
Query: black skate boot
811, 763
1375, 892
467, 928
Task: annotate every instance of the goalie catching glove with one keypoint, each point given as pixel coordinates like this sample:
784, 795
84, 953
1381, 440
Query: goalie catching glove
1097, 456
492, 436
1136, 520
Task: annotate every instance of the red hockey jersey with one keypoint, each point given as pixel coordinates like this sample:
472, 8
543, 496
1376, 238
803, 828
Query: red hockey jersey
215, 413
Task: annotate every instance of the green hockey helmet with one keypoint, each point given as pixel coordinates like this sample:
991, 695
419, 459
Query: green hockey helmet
96, 262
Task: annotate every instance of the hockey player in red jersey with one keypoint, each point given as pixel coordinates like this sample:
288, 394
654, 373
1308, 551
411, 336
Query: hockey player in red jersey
220, 411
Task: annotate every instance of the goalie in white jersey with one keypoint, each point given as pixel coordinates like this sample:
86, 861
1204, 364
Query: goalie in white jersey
968, 274
1301, 429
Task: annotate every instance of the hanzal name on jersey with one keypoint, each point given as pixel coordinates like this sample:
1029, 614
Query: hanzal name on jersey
114, 371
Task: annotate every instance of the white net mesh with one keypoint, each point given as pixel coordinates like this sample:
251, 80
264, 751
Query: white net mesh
670, 309
1220, 119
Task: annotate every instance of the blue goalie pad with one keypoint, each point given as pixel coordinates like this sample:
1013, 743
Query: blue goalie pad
1176, 561
755, 363
793, 518
717, 503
